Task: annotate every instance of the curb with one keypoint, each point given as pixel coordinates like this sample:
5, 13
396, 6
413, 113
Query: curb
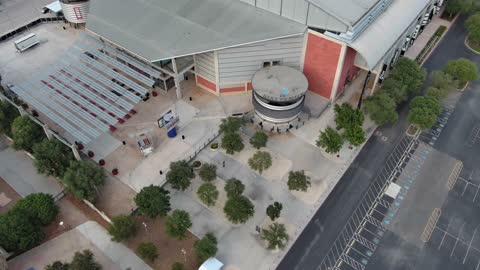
468, 46
440, 39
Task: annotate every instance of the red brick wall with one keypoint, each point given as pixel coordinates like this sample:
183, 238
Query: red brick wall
206, 83
348, 70
232, 89
321, 59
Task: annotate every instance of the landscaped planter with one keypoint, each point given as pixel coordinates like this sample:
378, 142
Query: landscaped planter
214, 146
412, 130
101, 162
196, 164
90, 154
115, 171
154, 94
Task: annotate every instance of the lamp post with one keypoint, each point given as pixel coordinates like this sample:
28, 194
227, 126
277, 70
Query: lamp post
184, 254
145, 226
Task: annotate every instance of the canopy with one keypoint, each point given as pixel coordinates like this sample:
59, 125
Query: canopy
211, 264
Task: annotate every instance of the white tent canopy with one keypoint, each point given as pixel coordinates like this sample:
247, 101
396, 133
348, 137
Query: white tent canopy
211, 264
54, 7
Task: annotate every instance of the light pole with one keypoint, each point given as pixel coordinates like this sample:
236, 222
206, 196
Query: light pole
184, 254
62, 225
145, 225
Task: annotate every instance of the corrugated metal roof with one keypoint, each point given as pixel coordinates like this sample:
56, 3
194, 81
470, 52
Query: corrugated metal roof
380, 36
163, 29
347, 11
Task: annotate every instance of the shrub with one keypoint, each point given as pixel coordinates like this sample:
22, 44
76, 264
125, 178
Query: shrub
260, 161
52, 157
346, 116
259, 140
206, 247
26, 133
395, 89
330, 140
122, 228
178, 223
178, 266
208, 172
297, 180
238, 209
180, 175
442, 80
153, 201
83, 178
437, 93
8, 113
355, 135
208, 194
234, 187
57, 265
276, 236
232, 142
84, 261
274, 210
231, 125
147, 251
381, 108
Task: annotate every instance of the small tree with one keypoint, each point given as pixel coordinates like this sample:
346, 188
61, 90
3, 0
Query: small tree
238, 209
52, 157
83, 178
234, 187
206, 247
355, 135
178, 266
259, 140
442, 80
424, 112
232, 142
395, 89
381, 108
297, 180
39, 208
180, 175
346, 116
26, 133
84, 261
18, 233
57, 265
260, 161
274, 210
437, 93
208, 194
462, 70
153, 201
330, 140
8, 113
473, 27
208, 172
178, 223
122, 228
276, 236
410, 74
147, 251
231, 125
458, 6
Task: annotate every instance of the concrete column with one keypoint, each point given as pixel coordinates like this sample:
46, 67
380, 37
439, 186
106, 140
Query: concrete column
47, 132
76, 154
177, 82
338, 73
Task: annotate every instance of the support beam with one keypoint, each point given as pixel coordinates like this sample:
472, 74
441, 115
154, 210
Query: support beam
47, 132
76, 154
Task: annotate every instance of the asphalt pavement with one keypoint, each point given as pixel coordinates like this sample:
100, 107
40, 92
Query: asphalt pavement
316, 239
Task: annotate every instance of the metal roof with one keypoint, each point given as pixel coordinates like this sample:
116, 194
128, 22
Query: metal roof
382, 34
347, 11
162, 29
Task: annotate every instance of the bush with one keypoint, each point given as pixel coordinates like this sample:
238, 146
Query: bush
260, 161
206, 247
147, 251
355, 135
231, 125
276, 236
57, 265
330, 140
232, 142
274, 210
473, 27
8, 113
208, 194
26, 133
122, 228
180, 175
18, 233
153, 201
177, 224
297, 180
84, 261
52, 157
83, 178
259, 140
346, 116
442, 80
462, 70
437, 93
39, 208
381, 108
208, 172
178, 266
424, 112
395, 89
238, 209
234, 187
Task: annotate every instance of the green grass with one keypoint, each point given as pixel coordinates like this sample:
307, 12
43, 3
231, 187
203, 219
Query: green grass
475, 46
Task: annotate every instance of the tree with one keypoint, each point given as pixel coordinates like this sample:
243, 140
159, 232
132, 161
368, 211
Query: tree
231, 125
462, 70
381, 108
274, 210
178, 266
346, 116
8, 113
458, 6
84, 261
238, 209
208, 172
57, 265
260, 161
473, 27
208, 194
234, 187
178, 223
276, 236
232, 142
442, 80
83, 178
39, 208
18, 233
147, 251
26, 133
52, 157
437, 93
122, 228
395, 89
206, 247
424, 111
409, 74
259, 140
180, 175
355, 135
153, 201
297, 180
330, 140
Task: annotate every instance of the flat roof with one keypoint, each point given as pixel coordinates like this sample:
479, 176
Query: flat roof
279, 83
347, 11
163, 29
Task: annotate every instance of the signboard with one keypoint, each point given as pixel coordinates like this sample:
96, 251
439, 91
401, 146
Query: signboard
168, 120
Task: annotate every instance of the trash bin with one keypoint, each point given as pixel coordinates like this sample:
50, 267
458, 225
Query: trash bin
172, 132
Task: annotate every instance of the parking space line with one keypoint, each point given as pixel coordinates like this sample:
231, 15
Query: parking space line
445, 234
470, 245
456, 241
